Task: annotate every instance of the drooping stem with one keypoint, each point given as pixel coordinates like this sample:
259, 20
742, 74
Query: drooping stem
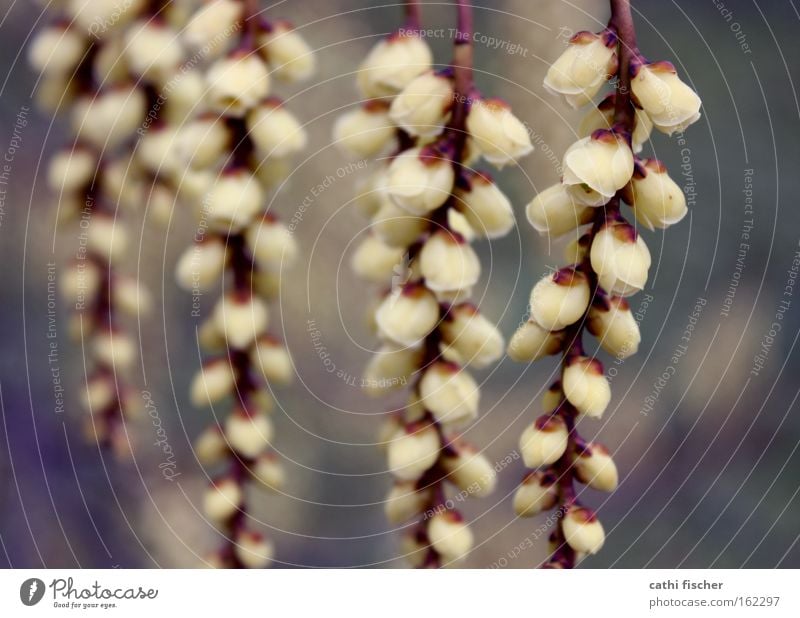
622, 22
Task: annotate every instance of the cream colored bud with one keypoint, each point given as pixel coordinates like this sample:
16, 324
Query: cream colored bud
273, 360
213, 382
420, 180
621, 259
131, 297
376, 261
499, 135
422, 108
552, 398
203, 141
237, 83
100, 394
413, 451
656, 199
555, 212
391, 428
72, 170
602, 117
585, 386
110, 64
370, 192
577, 249
459, 225
56, 50
669, 102
408, 314
201, 266
390, 368
560, 299
269, 471
115, 349
486, 207
603, 162
536, 494
152, 50
448, 263
544, 441
156, 150
234, 200
450, 393
102, 18
187, 100
55, 92
275, 131
476, 340
395, 226
222, 499
210, 337
252, 550
582, 530
193, 186
80, 281
612, 322
532, 342
271, 243
365, 131
241, 318
414, 549
581, 70
211, 446
470, 471
288, 54
272, 171
107, 237
213, 23
110, 118
392, 64
450, 536
584, 194
248, 433
595, 467
405, 501
161, 201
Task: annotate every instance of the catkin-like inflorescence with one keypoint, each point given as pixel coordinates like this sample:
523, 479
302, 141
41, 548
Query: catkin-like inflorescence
235, 149
426, 206
608, 261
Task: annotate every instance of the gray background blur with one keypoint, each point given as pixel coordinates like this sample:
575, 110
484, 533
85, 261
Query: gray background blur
709, 475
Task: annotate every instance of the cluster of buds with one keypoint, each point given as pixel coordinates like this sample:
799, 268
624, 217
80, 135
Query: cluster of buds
426, 205
109, 80
236, 148
608, 262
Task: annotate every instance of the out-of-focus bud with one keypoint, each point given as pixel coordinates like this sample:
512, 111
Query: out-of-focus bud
450, 393
621, 259
413, 451
536, 494
201, 265
656, 199
288, 54
237, 83
421, 109
448, 263
544, 441
602, 162
532, 342
595, 467
405, 501
253, 550
80, 281
211, 446
450, 535
248, 432
222, 499
202, 142
485, 206
152, 49
272, 359
395, 226
99, 395
269, 471
365, 131
71, 170
414, 549
392, 64
115, 349
101, 18
390, 368
612, 322
241, 318
274, 130
271, 243
376, 261
233, 200
156, 150
107, 237
408, 314
131, 297
670, 103
211, 23
552, 398
586, 64
560, 299
109, 118
602, 117
212, 383
470, 471
582, 530
499, 135
555, 211
420, 180
585, 386
476, 340
56, 50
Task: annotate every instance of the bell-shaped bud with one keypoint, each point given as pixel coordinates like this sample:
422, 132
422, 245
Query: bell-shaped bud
212, 383
406, 501
375, 261
203, 141
536, 494
115, 349
555, 211
252, 550
131, 297
582, 530
100, 394
152, 49
395, 226
420, 180
656, 199
233, 200
390, 368
211, 446
249, 433
366, 130
413, 451
268, 470
222, 499
274, 130
585, 386
71, 170
448, 263
422, 107
620, 258
450, 393
56, 50
212, 22
272, 360
237, 83
106, 237
80, 281
241, 318
201, 266
474, 338
290, 57
487, 209
669, 102
560, 299
587, 63
602, 117
595, 467
392, 64
450, 535
470, 471
271, 243
499, 135
577, 249
109, 118
611, 321
552, 398
544, 441
156, 150
532, 342
408, 314
602, 162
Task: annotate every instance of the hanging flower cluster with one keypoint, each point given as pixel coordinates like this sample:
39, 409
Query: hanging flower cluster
107, 69
426, 205
234, 152
608, 262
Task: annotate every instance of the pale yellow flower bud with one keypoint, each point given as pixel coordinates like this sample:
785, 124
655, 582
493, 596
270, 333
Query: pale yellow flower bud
536, 494
470, 471
241, 318
275, 131
99, 395
233, 200
269, 472
271, 243
474, 338
131, 297
157, 150
392, 64
560, 299
390, 368
499, 135
603, 162
237, 83
420, 180
595, 467
602, 117
248, 433
71, 170
621, 259
201, 266
555, 212
582, 530
213, 382
80, 281
450, 393
107, 237
421, 109
405, 501
152, 50
612, 322
366, 130
414, 549
581, 70
203, 141
544, 441
448, 263
273, 361
288, 54
670, 103
253, 550
577, 249
450, 536
413, 451
56, 50
532, 342
376, 261
656, 199
115, 349
210, 447
111, 117
211, 23
102, 18
395, 226
408, 314
222, 499
585, 386
486, 207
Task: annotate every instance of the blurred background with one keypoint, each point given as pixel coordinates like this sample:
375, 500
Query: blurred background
708, 457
